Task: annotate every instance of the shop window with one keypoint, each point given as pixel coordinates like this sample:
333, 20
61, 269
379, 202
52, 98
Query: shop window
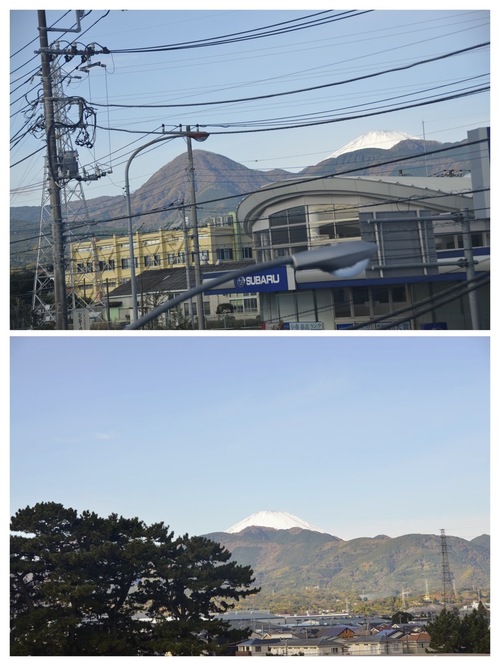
361, 301
288, 227
342, 303
399, 295
380, 297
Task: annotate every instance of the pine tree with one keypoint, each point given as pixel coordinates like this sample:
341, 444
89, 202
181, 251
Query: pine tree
452, 635
84, 585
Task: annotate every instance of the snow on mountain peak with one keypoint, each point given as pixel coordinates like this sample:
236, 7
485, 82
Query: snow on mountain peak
279, 520
383, 139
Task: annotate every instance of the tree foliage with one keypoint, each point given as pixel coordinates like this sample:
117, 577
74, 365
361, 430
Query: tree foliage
91, 586
451, 634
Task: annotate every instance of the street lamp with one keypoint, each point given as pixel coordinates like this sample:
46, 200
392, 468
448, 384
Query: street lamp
342, 259
197, 136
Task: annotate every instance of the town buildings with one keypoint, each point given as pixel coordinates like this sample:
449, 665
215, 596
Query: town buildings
100, 265
431, 269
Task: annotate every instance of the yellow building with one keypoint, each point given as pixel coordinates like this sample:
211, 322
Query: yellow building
97, 266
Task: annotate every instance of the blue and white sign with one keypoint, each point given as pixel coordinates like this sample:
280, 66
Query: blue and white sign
304, 326
271, 279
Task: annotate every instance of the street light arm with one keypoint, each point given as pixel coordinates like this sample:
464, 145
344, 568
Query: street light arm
351, 257
133, 280
197, 136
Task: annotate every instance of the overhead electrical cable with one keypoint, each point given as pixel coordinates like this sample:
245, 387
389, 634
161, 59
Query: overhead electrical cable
417, 63
246, 35
328, 121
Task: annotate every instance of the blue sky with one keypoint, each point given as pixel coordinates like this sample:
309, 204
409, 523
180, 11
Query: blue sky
365, 44
358, 435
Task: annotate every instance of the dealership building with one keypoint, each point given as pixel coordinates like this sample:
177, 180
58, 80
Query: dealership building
432, 263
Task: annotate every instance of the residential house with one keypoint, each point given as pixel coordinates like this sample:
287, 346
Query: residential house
286, 647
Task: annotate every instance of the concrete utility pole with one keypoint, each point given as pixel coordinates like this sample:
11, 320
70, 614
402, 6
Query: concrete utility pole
470, 267
196, 239
61, 308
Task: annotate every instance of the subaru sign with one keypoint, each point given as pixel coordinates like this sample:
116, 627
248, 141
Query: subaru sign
271, 279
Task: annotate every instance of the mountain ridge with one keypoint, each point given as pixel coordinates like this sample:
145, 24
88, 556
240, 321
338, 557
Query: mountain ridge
221, 183
291, 560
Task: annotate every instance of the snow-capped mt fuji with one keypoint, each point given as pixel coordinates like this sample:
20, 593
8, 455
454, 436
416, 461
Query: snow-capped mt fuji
383, 139
279, 520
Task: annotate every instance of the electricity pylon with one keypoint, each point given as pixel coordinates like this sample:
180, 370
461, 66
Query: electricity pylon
63, 208
448, 587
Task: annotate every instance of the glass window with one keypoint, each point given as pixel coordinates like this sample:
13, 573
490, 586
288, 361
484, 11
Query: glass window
445, 242
477, 240
399, 295
280, 236
152, 260
361, 301
348, 229
298, 234
297, 215
224, 254
341, 299
380, 297
262, 238
278, 219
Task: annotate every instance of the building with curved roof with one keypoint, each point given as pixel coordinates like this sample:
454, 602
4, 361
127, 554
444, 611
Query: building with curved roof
431, 269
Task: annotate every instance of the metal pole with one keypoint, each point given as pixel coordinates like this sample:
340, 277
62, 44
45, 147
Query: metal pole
61, 306
188, 273
469, 267
133, 279
196, 240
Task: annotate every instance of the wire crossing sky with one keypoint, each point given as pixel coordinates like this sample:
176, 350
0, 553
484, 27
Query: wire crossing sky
280, 88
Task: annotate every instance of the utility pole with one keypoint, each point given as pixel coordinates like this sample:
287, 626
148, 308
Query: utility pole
470, 267
60, 208
53, 184
196, 240
188, 272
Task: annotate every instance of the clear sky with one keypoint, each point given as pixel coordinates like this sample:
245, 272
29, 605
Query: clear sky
206, 82
358, 435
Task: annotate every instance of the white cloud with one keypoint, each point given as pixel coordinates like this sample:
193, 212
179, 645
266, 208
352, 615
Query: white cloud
104, 436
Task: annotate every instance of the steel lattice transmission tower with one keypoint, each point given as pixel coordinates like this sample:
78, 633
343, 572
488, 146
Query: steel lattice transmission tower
62, 175
448, 587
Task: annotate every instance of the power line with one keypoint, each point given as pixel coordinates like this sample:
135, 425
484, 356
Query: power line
268, 31
302, 90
